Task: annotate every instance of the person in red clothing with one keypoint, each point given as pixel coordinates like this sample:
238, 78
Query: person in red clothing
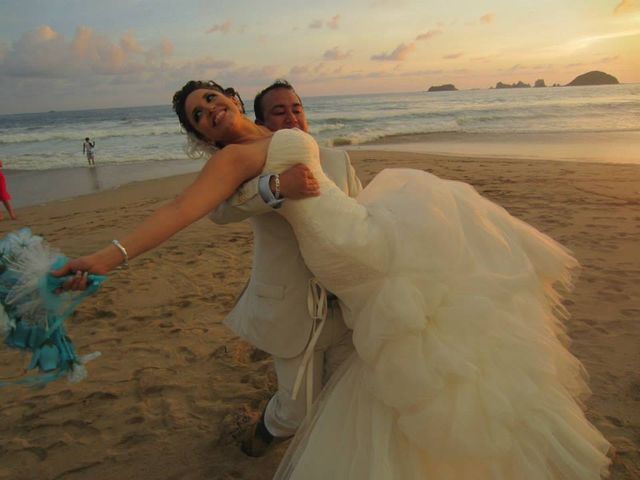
4, 195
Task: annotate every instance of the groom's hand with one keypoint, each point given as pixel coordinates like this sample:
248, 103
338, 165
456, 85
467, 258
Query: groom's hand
298, 182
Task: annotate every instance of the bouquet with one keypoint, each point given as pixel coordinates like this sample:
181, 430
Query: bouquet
33, 308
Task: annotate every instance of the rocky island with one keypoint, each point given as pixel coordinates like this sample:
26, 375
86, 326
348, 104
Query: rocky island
593, 78
513, 85
449, 87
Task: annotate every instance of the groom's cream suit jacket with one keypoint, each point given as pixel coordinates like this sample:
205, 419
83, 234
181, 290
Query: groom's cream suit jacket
272, 312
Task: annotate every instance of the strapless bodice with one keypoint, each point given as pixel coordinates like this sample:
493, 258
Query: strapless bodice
338, 241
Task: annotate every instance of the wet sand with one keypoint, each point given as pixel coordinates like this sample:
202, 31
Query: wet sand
598, 147
37, 187
174, 390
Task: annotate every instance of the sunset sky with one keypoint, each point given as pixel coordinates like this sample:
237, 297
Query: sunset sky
76, 54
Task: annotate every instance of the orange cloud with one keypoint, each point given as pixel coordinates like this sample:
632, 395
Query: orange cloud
487, 18
452, 56
166, 47
333, 22
428, 34
299, 70
222, 27
39, 53
45, 53
159, 53
45, 34
318, 68
81, 43
129, 43
399, 54
114, 60
625, 6
336, 54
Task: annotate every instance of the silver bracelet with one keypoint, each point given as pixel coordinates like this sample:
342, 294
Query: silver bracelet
123, 251
276, 182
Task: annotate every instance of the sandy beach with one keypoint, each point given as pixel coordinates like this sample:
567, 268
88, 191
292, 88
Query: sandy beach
174, 390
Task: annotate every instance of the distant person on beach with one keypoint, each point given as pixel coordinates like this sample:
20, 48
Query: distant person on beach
460, 367
87, 148
4, 195
283, 327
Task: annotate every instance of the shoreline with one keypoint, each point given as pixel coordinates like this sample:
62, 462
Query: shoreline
36, 187
613, 147
174, 390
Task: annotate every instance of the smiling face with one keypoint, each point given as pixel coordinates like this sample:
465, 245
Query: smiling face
212, 114
283, 109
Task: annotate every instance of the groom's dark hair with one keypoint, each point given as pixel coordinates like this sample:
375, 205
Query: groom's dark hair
257, 102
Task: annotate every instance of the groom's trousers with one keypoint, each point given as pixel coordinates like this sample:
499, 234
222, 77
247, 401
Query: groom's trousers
283, 414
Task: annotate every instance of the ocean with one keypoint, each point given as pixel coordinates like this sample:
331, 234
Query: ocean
39, 141
149, 138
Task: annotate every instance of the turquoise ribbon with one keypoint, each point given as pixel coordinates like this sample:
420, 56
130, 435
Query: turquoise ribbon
53, 351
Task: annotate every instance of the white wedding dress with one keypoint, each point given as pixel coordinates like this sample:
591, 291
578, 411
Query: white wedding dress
460, 371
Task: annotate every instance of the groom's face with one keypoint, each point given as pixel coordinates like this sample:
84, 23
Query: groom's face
283, 109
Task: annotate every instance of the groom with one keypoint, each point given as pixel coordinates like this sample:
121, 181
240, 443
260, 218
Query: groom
272, 312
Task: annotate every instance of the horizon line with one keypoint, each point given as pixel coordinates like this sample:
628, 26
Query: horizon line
325, 96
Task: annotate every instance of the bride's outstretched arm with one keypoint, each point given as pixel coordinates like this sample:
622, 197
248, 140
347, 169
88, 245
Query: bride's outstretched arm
219, 178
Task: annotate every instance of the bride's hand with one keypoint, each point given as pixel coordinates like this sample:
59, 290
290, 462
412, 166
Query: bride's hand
79, 269
298, 182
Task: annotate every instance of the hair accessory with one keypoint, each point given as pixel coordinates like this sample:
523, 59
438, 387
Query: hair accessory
32, 314
123, 251
233, 93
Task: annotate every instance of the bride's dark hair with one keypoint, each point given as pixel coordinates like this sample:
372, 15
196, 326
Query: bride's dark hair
180, 98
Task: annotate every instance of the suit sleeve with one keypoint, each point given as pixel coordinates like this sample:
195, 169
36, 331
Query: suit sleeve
355, 186
244, 203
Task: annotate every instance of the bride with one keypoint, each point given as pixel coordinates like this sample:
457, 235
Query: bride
460, 371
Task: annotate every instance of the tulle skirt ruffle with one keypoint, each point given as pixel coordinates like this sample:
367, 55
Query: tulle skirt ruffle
461, 367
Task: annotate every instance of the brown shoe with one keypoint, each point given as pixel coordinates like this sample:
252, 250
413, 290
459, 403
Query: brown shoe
259, 440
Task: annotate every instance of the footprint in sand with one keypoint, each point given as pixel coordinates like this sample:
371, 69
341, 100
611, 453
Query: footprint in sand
135, 420
630, 312
635, 391
220, 352
258, 355
39, 453
183, 303
135, 439
189, 355
615, 420
104, 314
98, 396
236, 424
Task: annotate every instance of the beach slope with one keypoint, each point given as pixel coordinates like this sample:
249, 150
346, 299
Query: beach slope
174, 389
